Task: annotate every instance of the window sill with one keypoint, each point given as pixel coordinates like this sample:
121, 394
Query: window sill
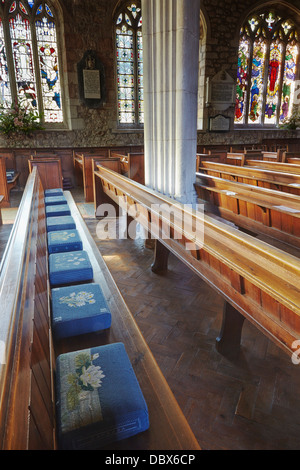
121, 130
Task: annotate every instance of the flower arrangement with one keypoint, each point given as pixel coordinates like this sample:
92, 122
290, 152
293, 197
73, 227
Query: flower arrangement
294, 120
19, 120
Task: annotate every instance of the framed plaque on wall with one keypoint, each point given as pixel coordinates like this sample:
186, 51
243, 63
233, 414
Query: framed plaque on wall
91, 80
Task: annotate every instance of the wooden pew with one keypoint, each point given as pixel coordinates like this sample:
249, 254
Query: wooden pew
49, 170
286, 182
202, 157
83, 169
240, 159
6, 185
1, 201
66, 159
248, 273
259, 210
26, 370
27, 367
286, 156
293, 168
273, 156
132, 164
295, 160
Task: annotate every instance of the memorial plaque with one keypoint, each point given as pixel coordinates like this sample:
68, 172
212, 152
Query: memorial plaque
221, 91
219, 123
91, 84
91, 80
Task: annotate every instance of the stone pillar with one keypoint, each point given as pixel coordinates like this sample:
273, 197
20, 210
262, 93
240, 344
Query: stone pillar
171, 58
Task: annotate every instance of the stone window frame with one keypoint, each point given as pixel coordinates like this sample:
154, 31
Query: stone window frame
287, 15
4, 12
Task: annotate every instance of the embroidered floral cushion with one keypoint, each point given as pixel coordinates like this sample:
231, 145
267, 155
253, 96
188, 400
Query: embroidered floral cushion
71, 267
55, 200
53, 192
55, 211
99, 399
60, 223
64, 240
78, 310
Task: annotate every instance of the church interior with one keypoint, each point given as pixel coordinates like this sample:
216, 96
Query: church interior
149, 225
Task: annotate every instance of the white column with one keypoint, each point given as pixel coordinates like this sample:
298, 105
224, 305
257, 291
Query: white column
171, 58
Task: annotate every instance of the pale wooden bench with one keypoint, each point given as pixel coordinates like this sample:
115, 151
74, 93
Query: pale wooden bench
240, 159
5, 185
257, 281
27, 368
259, 210
276, 166
286, 182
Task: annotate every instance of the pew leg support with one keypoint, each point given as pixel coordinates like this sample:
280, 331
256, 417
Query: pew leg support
229, 341
161, 255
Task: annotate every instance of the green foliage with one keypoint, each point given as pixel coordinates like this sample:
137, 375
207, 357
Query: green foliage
293, 122
19, 120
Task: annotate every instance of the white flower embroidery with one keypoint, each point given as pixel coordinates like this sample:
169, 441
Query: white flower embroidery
92, 376
78, 300
62, 236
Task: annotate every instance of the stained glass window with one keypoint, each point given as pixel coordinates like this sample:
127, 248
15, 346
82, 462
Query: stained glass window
267, 58
129, 65
32, 76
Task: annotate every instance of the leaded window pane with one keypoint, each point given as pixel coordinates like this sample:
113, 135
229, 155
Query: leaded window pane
129, 65
33, 43
267, 58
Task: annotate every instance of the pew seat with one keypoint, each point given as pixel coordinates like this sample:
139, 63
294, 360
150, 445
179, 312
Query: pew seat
99, 400
78, 310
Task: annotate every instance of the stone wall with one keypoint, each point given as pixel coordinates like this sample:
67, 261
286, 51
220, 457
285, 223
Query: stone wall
88, 25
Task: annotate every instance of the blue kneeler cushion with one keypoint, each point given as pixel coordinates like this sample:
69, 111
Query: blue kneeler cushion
55, 200
68, 268
98, 398
64, 240
53, 192
78, 310
60, 223
57, 210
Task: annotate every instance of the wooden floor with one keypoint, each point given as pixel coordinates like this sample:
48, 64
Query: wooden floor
252, 403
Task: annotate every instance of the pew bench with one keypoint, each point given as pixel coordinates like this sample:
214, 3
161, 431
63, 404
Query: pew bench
241, 159
8, 180
83, 166
28, 373
257, 281
276, 166
259, 210
266, 178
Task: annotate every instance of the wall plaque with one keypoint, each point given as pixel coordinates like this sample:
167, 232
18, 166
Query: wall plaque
91, 80
91, 84
221, 91
219, 123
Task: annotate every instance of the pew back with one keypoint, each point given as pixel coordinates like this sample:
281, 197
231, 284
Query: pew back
260, 210
49, 170
26, 373
286, 182
248, 273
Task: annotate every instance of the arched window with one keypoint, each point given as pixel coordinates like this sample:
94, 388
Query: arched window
267, 69
29, 66
129, 65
